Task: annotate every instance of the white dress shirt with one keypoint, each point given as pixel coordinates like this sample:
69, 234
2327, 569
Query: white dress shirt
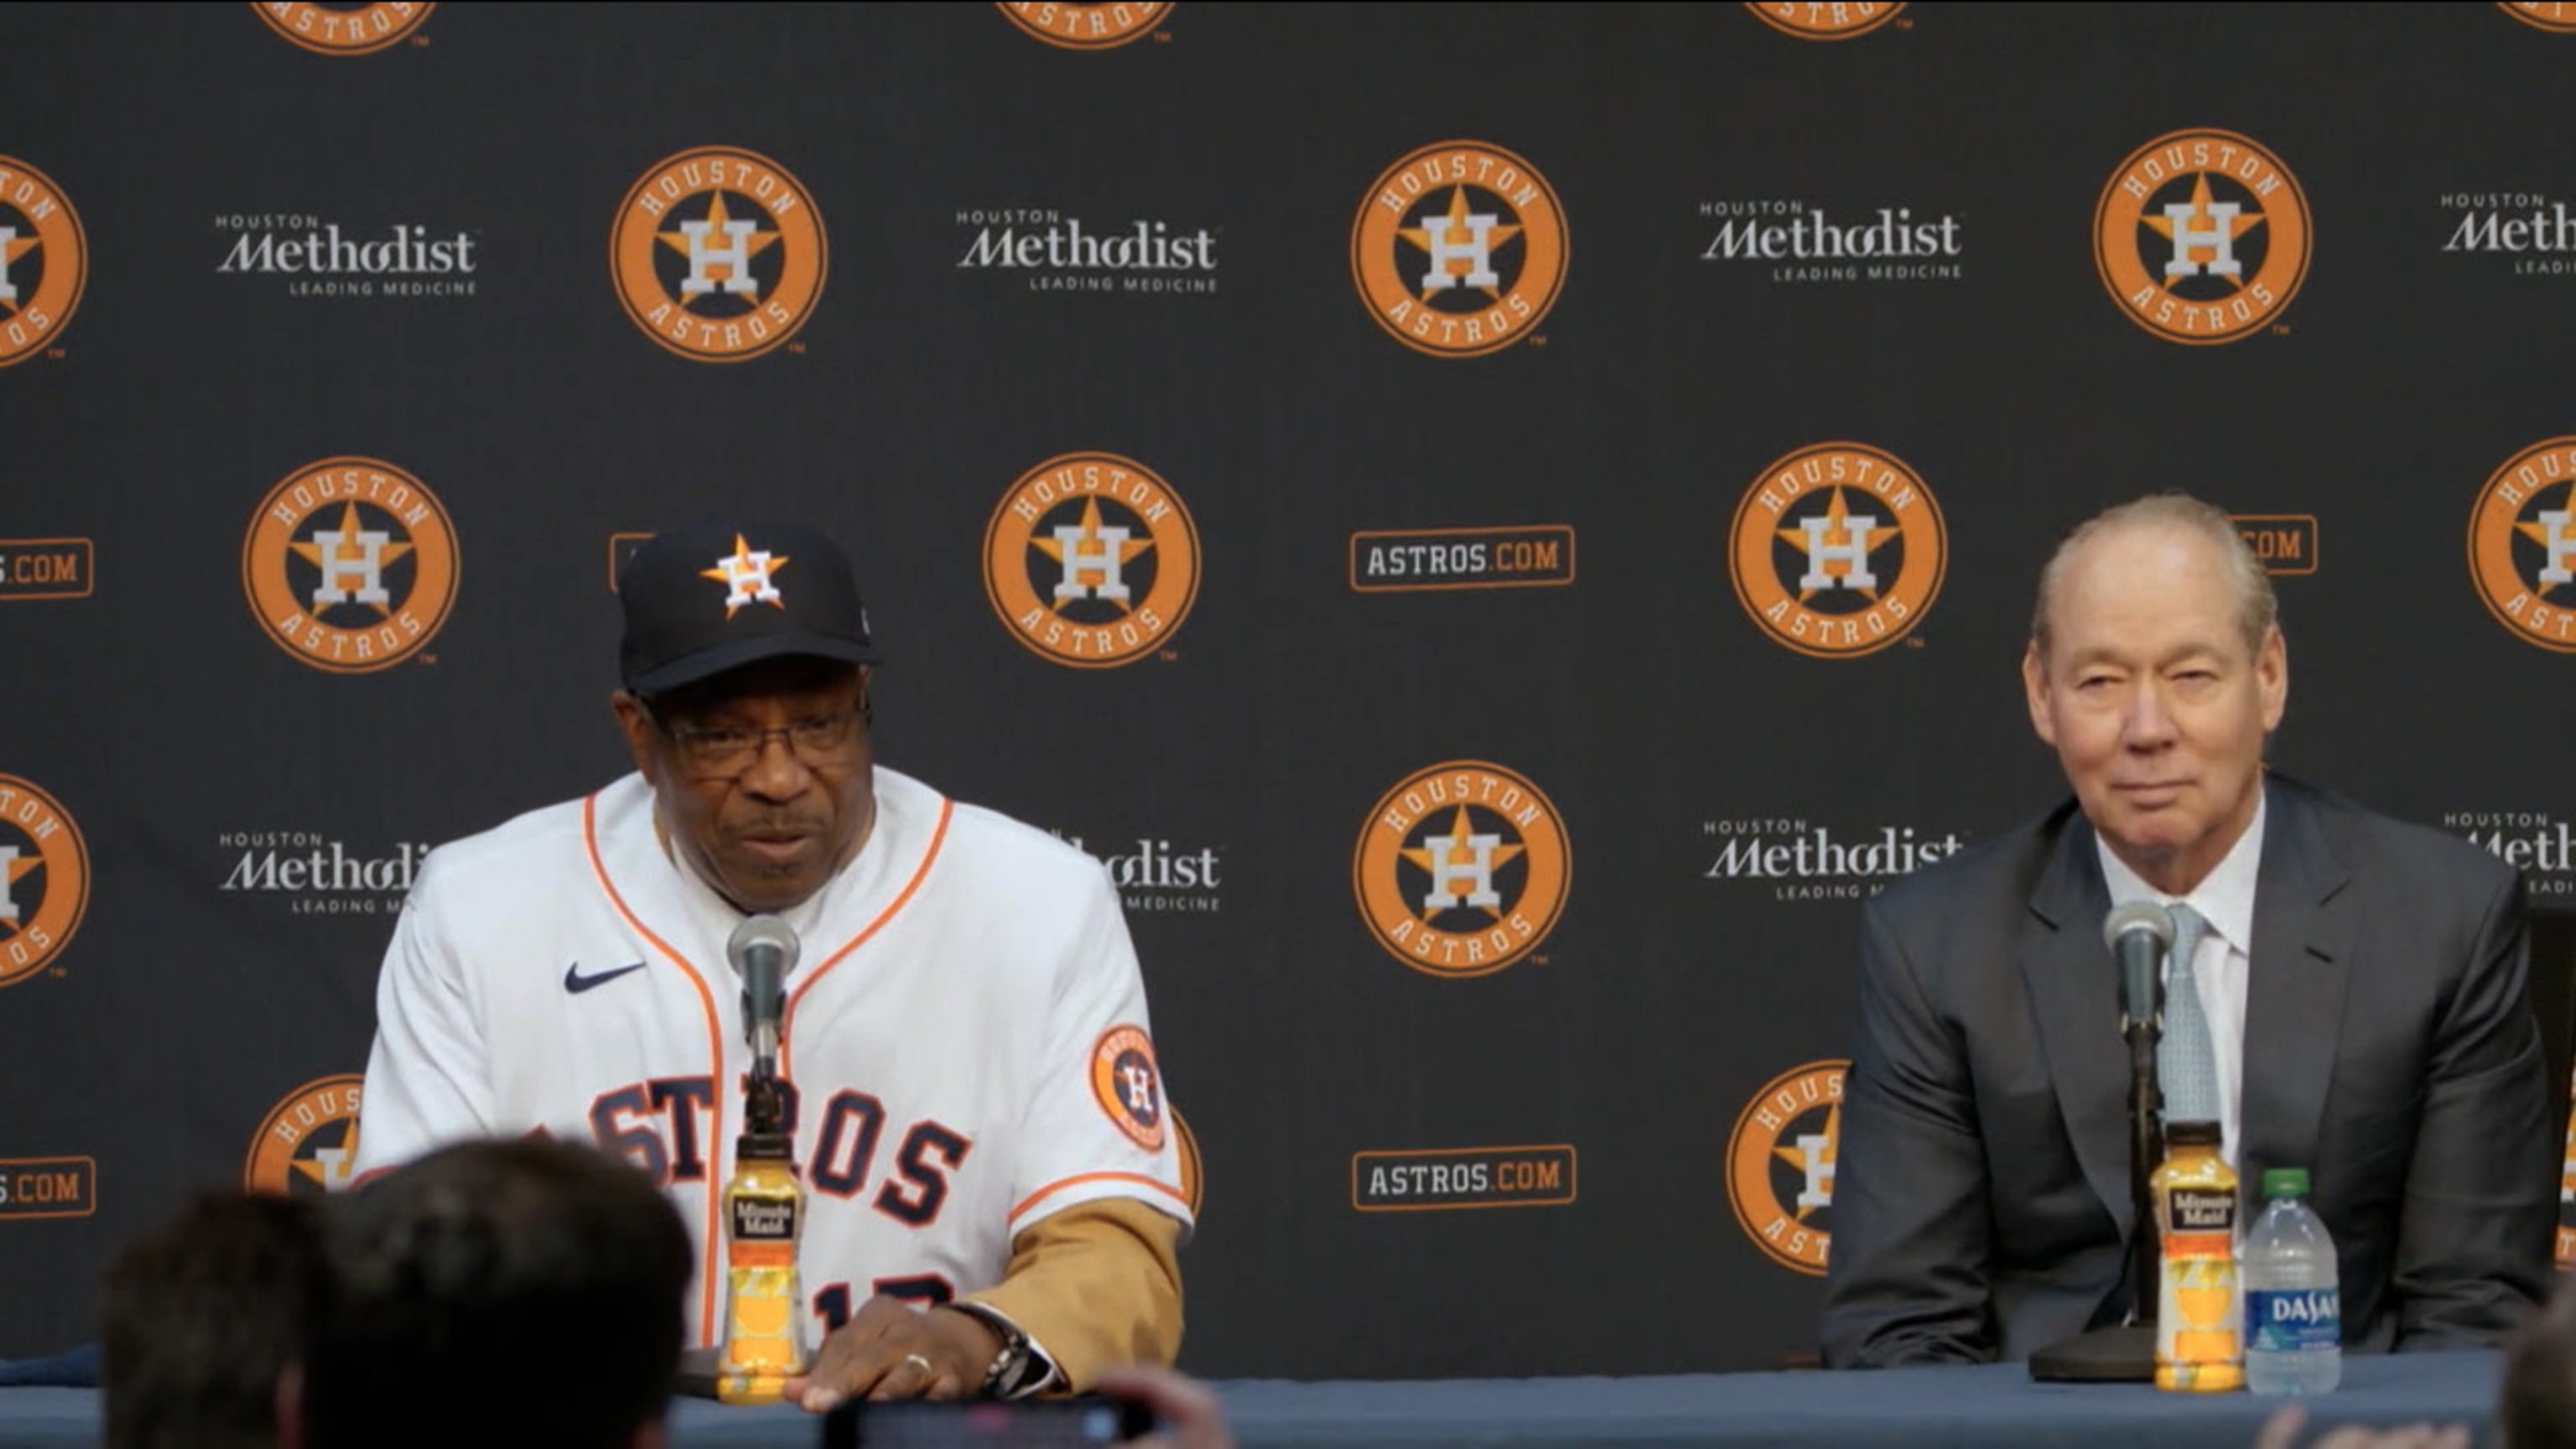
2225, 899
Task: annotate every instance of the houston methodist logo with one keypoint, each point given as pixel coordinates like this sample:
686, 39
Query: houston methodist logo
1824, 19
344, 29
309, 1140
2201, 236
350, 564
1780, 1164
44, 879
44, 260
1459, 249
718, 254
2522, 545
1086, 27
1091, 560
1837, 550
1462, 868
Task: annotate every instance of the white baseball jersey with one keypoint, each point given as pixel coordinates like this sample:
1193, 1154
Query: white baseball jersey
966, 1037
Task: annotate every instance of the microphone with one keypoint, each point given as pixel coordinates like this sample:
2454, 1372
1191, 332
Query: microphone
763, 950
764, 1204
2139, 933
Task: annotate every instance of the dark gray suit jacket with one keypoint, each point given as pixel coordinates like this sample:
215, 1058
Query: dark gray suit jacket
1981, 1197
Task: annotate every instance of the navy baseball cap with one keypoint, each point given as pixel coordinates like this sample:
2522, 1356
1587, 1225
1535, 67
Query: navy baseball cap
722, 593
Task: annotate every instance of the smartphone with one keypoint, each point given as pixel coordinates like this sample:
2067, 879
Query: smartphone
1075, 1423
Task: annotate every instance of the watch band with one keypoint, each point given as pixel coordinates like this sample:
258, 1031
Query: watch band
1018, 1368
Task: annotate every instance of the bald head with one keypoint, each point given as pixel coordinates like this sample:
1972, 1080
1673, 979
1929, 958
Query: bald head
2256, 608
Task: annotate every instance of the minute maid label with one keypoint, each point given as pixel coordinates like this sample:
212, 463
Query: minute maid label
2297, 1320
764, 1220
2203, 1212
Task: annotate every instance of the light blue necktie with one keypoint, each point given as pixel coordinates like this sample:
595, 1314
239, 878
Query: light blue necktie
2186, 1060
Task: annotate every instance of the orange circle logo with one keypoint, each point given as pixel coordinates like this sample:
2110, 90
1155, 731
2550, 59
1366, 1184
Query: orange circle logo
309, 1140
2556, 15
1780, 1164
2522, 545
44, 260
1091, 560
44, 879
1459, 249
1462, 868
1086, 27
1838, 550
2202, 236
1127, 1086
350, 564
718, 254
344, 29
1834, 20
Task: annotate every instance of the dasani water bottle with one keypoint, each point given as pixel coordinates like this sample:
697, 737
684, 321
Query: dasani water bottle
2293, 1310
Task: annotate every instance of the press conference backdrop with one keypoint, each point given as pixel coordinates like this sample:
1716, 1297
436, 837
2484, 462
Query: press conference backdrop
1501, 525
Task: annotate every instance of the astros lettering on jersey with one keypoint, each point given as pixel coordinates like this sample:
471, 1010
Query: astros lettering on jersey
563, 974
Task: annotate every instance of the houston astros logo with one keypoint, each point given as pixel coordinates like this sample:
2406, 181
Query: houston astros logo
44, 260
309, 1140
1837, 550
1828, 20
1125, 1083
2202, 236
44, 879
1086, 27
1459, 249
1091, 560
344, 29
350, 564
746, 574
1462, 868
2522, 545
2557, 15
1780, 1164
718, 254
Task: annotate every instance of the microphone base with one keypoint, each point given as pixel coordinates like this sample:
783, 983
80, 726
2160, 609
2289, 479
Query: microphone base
2125, 1354
698, 1374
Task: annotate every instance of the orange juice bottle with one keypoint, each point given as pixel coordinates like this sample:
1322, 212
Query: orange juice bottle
764, 1332
2200, 1346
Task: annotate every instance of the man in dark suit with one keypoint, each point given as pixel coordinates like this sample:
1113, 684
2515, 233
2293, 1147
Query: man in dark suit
2363, 983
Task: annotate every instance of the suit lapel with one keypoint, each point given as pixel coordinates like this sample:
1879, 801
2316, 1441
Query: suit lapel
2304, 924
2075, 1006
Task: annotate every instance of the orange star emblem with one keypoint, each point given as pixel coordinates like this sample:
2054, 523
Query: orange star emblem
714, 258
1454, 233
1456, 851
1840, 532
352, 560
2199, 222
1087, 543
749, 574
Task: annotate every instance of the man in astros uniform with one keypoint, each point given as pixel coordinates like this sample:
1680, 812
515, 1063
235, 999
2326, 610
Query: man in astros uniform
993, 1180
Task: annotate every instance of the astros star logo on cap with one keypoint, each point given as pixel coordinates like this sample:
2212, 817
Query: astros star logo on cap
746, 574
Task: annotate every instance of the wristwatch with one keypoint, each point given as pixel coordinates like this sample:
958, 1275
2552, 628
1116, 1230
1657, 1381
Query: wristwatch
1019, 1369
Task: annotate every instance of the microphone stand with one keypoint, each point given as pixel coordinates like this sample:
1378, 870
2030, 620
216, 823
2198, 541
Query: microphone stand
2126, 1352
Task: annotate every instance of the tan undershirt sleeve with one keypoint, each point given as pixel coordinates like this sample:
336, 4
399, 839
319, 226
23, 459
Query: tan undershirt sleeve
1096, 1285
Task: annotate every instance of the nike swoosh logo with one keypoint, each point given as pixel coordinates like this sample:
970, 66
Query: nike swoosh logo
576, 983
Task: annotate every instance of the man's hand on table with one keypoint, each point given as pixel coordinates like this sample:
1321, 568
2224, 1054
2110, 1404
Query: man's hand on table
2281, 1431
892, 1350
1188, 1411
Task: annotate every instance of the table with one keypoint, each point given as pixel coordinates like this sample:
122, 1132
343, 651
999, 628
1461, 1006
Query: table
1986, 1407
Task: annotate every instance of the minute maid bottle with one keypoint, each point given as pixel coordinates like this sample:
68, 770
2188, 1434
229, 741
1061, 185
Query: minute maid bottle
764, 1206
2198, 1346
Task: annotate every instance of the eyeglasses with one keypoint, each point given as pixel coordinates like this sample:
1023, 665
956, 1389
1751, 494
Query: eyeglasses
718, 752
